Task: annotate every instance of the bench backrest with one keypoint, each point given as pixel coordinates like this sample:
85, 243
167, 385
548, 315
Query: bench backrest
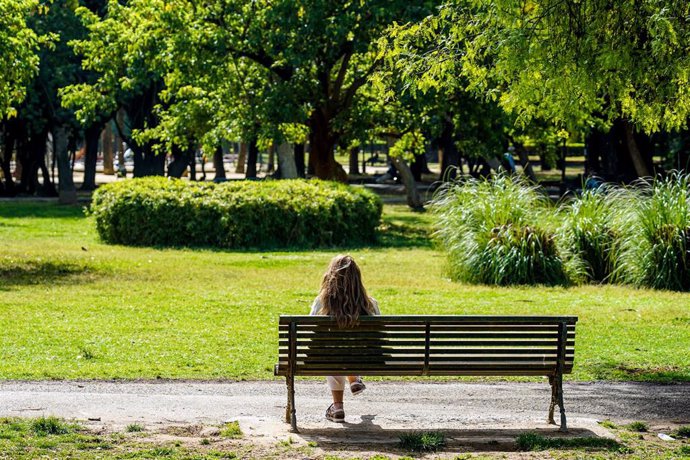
427, 345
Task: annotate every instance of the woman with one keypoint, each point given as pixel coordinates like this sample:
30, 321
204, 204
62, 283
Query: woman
344, 298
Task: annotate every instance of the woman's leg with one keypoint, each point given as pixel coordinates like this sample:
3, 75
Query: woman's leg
337, 385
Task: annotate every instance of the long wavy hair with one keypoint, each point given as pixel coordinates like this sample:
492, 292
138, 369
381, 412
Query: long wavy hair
342, 294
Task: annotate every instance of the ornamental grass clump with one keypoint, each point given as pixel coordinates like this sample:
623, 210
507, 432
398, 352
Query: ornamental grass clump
493, 232
655, 251
588, 240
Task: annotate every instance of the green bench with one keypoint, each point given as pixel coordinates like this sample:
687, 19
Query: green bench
419, 345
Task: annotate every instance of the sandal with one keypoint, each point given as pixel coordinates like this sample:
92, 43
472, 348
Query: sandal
357, 387
335, 415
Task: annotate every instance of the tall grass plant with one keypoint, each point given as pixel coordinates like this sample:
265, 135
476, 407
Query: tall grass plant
493, 232
655, 219
588, 239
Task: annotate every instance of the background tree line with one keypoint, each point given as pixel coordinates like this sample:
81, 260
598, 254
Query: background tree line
468, 77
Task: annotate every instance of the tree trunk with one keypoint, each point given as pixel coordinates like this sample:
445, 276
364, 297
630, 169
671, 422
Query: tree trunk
286, 161
91, 138
108, 144
181, 160
414, 199
7, 152
120, 145
525, 163
450, 160
271, 158
218, 165
354, 160
241, 158
638, 161
252, 156
66, 188
299, 159
322, 145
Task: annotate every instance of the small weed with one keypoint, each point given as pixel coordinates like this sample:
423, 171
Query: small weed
134, 428
47, 426
205, 442
313, 444
287, 442
640, 427
158, 452
86, 353
683, 450
422, 442
608, 424
231, 430
682, 432
533, 441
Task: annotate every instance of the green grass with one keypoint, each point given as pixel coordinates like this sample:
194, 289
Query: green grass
231, 430
73, 308
430, 441
533, 441
640, 427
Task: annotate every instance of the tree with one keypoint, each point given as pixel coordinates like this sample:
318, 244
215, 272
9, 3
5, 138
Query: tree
262, 64
19, 45
578, 65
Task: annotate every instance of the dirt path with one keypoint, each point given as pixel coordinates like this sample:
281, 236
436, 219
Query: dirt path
384, 407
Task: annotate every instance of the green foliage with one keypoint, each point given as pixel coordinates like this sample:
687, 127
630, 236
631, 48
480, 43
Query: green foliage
50, 426
572, 63
427, 441
655, 250
682, 432
588, 239
533, 441
608, 424
296, 213
18, 53
640, 427
231, 430
134, 428
492, 234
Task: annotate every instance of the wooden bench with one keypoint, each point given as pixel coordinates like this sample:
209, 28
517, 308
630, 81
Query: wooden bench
428, 345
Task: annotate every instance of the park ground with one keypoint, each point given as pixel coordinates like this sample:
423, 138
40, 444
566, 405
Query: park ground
72, 308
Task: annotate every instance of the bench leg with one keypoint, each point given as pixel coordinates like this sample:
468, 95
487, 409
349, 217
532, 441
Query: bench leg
559, 382
290, 411
554, 392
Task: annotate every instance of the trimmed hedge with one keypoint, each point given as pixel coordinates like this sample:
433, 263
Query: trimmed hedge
157, 211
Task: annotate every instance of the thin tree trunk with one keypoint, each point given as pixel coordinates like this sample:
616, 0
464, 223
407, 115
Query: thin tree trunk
354, 160
414, 199
286, 161
92, 135
108, 144
218, 164
252, 156
241, 158
299, 159
525, 163
120, 145
66, 188
637, 160
7, 152
450, 160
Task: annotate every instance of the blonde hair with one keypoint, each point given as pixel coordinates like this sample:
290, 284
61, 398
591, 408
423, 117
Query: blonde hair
342, 294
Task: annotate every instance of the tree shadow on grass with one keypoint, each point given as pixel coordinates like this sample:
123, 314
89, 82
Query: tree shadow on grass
656, 374
47, 210
404, 231
369, 436
32, 272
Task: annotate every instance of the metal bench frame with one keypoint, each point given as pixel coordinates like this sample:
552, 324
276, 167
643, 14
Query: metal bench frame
380, 345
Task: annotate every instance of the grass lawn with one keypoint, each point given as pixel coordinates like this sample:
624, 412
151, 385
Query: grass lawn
73, 308
54, 438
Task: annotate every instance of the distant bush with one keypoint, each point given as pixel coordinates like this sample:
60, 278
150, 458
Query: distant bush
243, 214
494, 234
655, 249
588, 239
